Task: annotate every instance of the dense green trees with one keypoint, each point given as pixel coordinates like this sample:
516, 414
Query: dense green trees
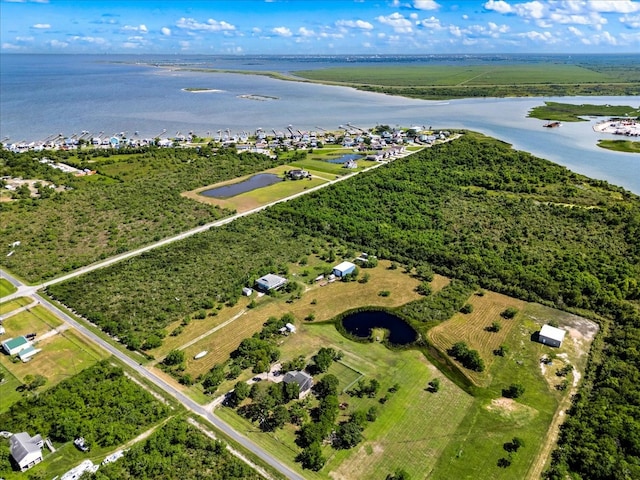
100, 404
467, 357
177, 450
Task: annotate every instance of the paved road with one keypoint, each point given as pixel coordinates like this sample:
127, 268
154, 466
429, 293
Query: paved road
178, 395
31, 291
26, 290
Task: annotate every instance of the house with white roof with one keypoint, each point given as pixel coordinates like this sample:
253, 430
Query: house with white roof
551, 336
26, 450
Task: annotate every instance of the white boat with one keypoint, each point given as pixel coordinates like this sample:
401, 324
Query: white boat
200, 355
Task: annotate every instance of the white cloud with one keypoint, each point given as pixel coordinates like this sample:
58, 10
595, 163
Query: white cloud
10, 46
545, 37
282, 31
575, 31
361, 24
86, 39
632, 21
465, 17
41, 26
165, 31
431, 22
613, 6
499, 6
305, 32
184, 45
57, 44
25, 39
210, 25
397, 22
425, 5
533, 9
495, 29
455, 31
133, 28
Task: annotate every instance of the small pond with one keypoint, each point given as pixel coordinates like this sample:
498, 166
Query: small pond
256, 181
361, 323
346, 158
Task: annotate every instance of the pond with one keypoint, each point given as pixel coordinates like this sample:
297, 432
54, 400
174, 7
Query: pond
360, 324
346, 158
256, 181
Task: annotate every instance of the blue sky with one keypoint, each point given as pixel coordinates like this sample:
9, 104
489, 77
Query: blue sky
319, 26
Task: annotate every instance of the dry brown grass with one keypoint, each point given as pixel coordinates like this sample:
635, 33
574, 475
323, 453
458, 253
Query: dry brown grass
471, 328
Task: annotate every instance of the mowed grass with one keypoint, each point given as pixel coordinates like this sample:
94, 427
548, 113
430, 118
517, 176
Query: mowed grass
8, 389
258, 197
494, 420
14, 304
472, 329
63, 354
6, 287
412, 429
457, 75
330, 300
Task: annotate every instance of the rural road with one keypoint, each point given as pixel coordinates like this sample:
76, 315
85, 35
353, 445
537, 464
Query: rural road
32, 291
169, 389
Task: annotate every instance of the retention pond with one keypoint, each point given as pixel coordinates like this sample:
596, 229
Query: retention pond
361, 323
256, 181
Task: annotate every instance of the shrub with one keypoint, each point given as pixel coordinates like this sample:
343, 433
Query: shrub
509, 313
514, 390
466, 308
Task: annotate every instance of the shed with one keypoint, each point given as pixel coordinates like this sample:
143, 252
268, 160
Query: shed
290, 327
26, 354
14, 346
26, 450
345, 268
270, 282
246, 291
2, 330
303, 379
551, 336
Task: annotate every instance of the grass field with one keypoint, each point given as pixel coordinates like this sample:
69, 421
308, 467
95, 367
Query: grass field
258, 197
330, 300
457, 75
63, 354
620, 145
14, 304
6, 287
413, 426
472, 329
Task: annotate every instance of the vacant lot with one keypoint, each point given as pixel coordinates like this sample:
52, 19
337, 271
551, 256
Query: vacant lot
6, 288
472, 328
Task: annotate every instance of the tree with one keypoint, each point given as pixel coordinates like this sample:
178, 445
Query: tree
348, 435
328, 385
424, 289
509, 313
466, 308
33, 382
434, 385
514, 390
311, 457
174, 357
290, 391
399, 474
323, 359
514, 445
501, 351
494, 327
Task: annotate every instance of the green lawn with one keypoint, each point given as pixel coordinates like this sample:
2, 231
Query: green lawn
6, 287
14, 304
8, 393
568, 112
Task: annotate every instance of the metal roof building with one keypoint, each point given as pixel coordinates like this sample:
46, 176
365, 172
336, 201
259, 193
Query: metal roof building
551, 336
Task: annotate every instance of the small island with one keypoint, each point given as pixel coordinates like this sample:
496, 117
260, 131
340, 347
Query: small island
567, 112
620, 145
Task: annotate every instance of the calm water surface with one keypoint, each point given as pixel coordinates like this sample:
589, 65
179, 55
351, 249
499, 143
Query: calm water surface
44, 95
361, 323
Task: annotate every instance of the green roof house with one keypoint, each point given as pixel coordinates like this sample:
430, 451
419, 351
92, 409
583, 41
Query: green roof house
14, 346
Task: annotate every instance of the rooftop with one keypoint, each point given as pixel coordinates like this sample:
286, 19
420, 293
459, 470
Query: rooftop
552, 333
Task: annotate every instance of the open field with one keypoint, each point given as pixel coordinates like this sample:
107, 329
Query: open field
9, 393
330, 300
6, 288
442, 82
472, 329
257, 197
64, 352
620, 145
567, 112
10, 306
394, 439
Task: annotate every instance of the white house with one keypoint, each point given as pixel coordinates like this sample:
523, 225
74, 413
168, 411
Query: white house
270, 282
551, 336
26, 450
13, 346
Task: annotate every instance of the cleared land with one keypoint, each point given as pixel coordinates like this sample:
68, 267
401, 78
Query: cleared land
64, 352
14, 304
